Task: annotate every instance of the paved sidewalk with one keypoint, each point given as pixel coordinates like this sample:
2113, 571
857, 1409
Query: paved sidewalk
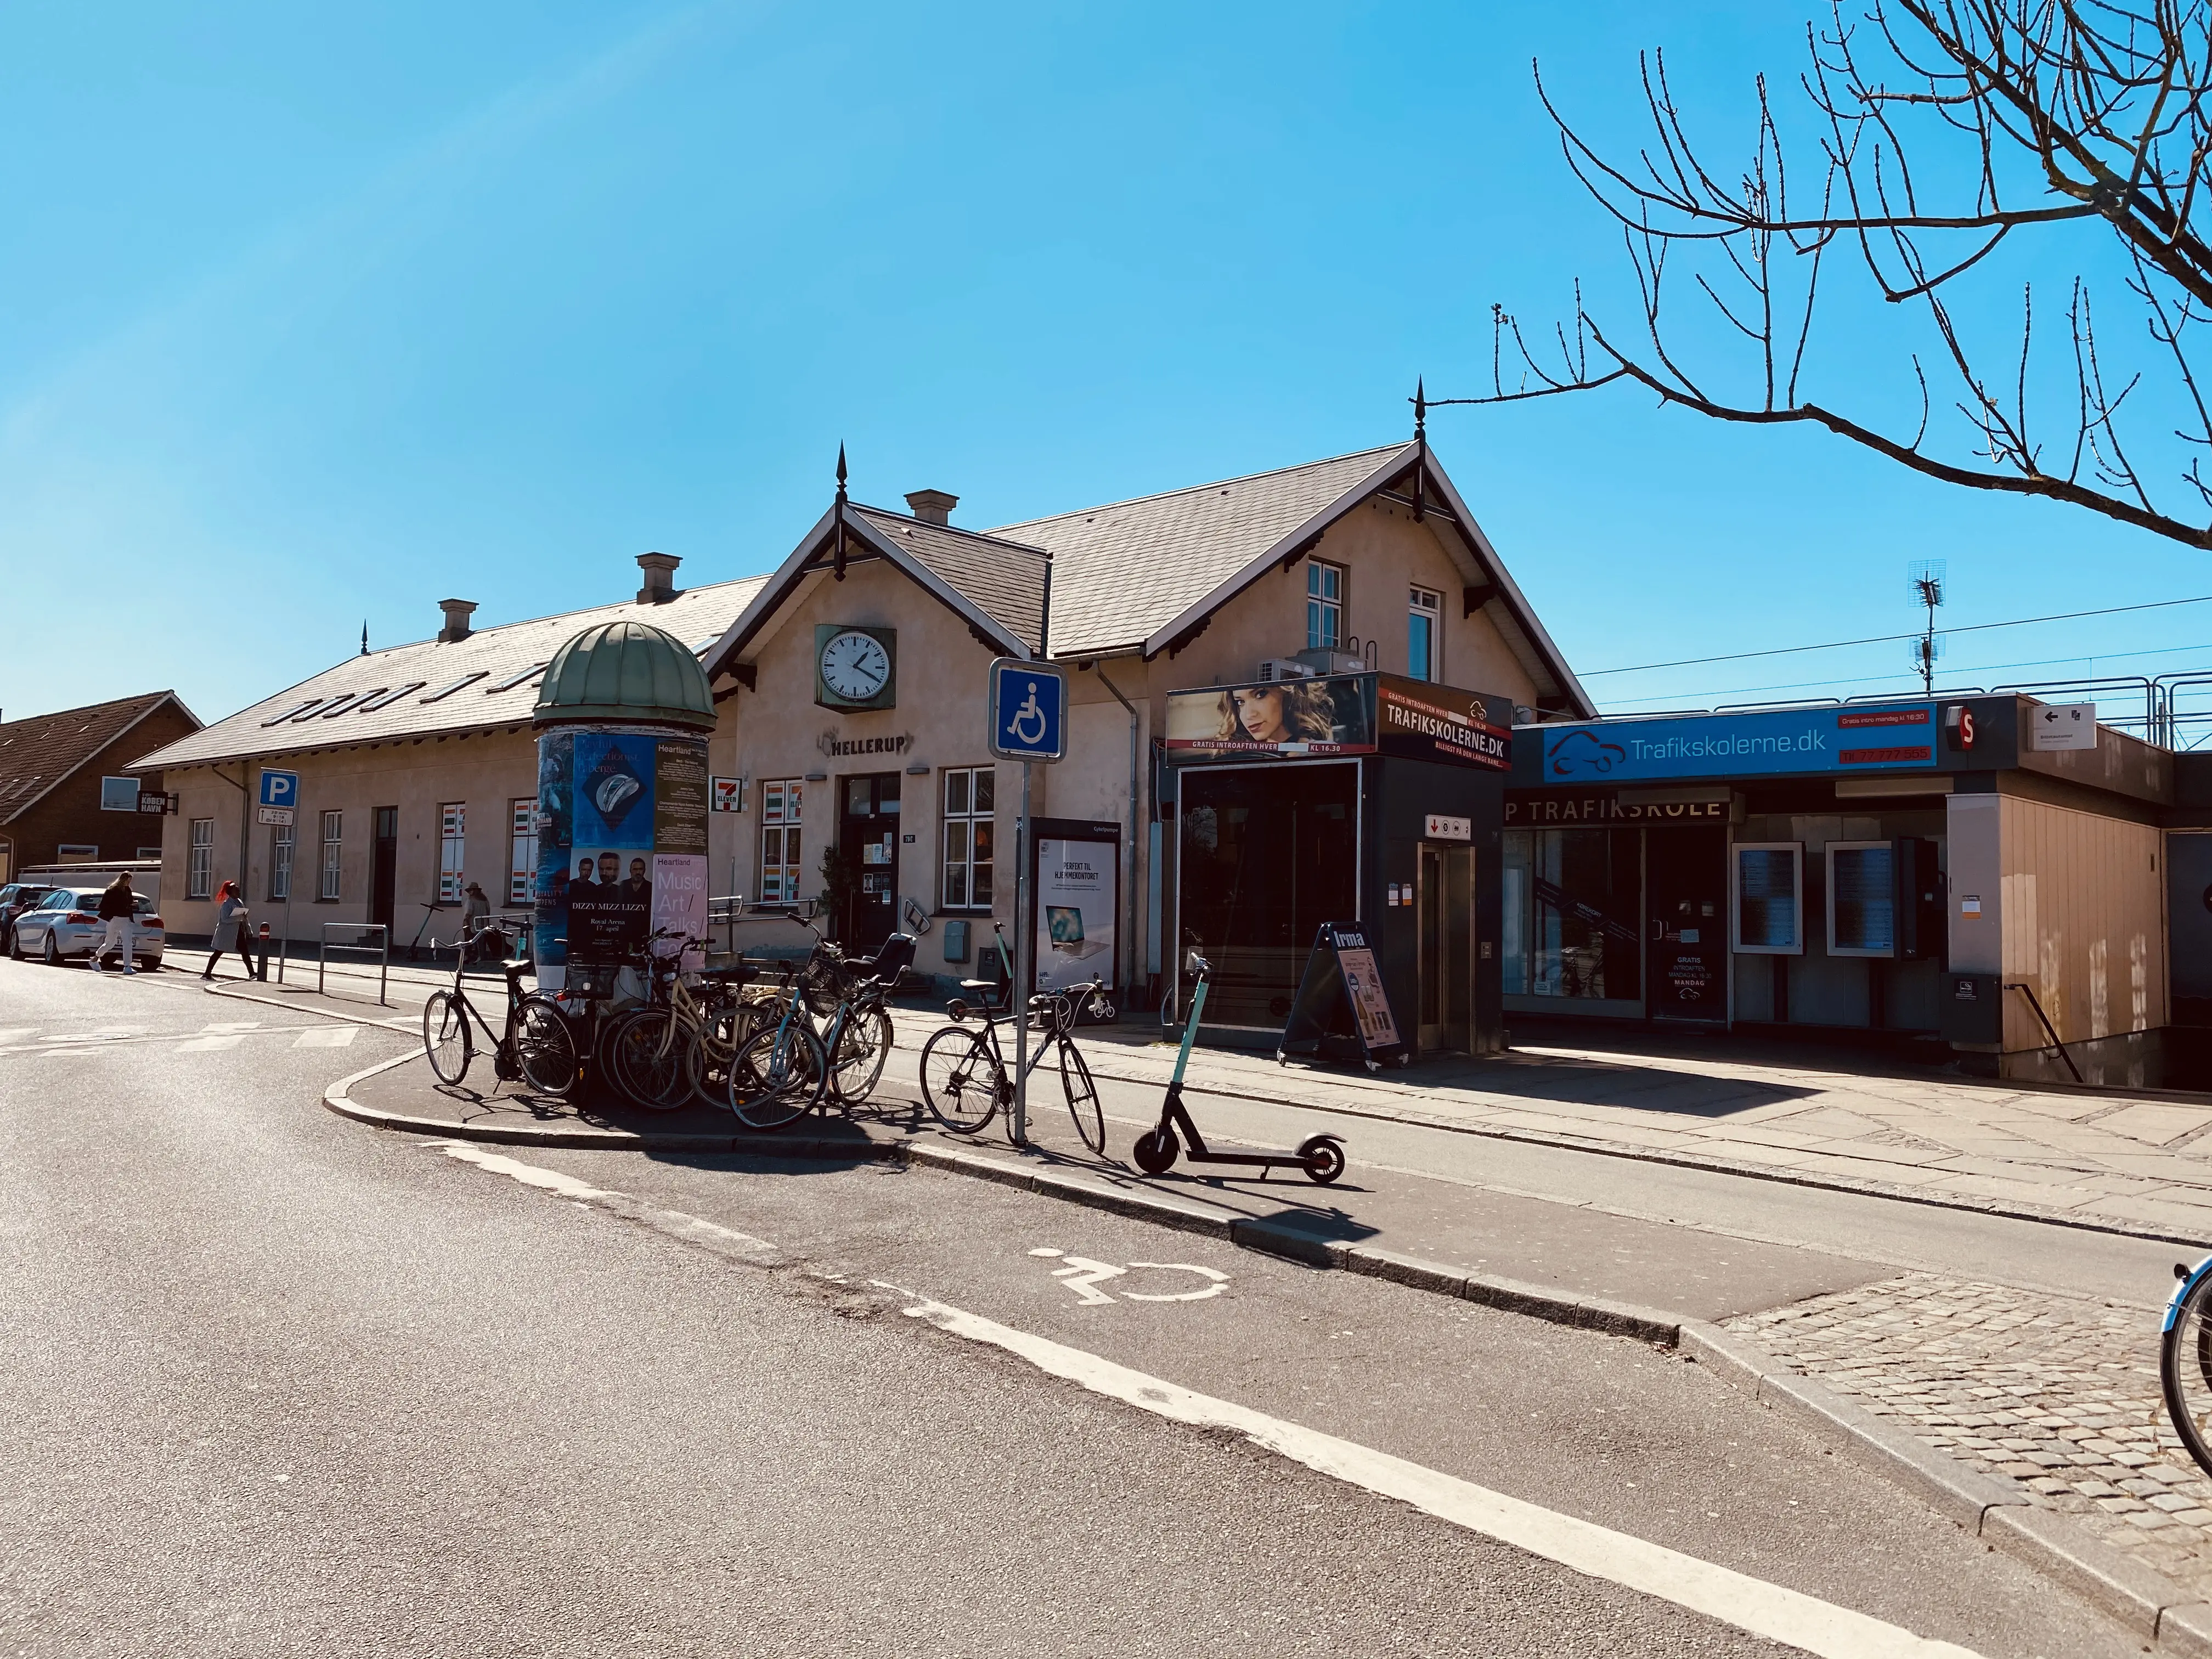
2128, 1164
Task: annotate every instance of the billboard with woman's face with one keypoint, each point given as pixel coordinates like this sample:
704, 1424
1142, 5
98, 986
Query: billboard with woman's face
1334, 715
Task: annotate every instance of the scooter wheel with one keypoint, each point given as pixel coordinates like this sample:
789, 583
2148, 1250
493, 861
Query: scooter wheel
1155, 1151
1324, 1158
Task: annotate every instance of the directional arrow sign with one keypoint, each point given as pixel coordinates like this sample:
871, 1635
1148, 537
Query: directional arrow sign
2061, 725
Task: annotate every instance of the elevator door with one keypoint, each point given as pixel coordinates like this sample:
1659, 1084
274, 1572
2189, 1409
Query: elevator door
1447, 997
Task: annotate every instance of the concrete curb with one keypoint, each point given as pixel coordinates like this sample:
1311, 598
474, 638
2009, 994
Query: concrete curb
1992, 1507
338, 1098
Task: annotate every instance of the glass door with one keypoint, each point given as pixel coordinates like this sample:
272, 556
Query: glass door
868, 839
1686, 882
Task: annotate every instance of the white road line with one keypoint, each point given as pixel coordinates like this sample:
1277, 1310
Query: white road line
202, 1044
325, 1036
1719, 1593
17, 1033
233, 1025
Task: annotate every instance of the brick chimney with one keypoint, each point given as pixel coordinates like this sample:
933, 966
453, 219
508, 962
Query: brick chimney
659, 577
932, 506
457, 612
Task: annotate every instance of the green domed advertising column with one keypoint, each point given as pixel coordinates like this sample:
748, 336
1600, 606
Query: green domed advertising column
622, 716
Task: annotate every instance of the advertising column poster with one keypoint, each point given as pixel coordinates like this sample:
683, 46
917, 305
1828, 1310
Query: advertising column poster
622, 843
1077, 891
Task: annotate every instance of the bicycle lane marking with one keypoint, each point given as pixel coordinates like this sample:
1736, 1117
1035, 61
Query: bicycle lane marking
1718, 1593
1084, 1276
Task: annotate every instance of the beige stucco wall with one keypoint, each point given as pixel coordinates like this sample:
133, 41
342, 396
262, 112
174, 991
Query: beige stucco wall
486, 771
2083, 923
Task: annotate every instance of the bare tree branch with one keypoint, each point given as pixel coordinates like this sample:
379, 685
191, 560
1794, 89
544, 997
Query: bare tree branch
2041, 114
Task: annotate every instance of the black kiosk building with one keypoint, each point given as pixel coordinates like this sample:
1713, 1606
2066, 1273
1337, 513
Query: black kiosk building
1351, 798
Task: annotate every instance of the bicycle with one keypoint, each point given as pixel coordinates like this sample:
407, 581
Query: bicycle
859, 1038
536, 1045
661, 1056
963, 1072
781, 1070
2185, 1359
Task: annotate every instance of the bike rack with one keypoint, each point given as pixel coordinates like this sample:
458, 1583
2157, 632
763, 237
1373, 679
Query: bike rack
384, 968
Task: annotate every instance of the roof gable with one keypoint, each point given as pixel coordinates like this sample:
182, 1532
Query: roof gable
1124, 573
995, 585
45, 750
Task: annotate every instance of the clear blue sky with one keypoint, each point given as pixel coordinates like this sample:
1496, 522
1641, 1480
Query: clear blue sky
317, 315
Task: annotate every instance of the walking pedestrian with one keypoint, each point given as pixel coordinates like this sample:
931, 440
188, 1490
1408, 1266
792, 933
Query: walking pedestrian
119, 908
230, 929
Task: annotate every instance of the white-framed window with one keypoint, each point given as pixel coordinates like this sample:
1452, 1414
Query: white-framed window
118, 794
280, 860
1424, 634
452, 850
333, 853
199, 868
153, 853
522, 851
970, 838
781, 802
1862, 898
1324, 606
72, 853
1766, 897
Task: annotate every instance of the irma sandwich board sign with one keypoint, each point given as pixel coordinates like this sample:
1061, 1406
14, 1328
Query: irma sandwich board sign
1342, 978
1772, 743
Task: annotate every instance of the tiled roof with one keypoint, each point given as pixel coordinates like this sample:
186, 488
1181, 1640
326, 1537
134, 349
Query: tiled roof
461, 685
1123, 571
1005, 578
38, 753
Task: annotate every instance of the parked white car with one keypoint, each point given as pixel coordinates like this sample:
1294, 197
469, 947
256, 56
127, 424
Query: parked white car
66, 923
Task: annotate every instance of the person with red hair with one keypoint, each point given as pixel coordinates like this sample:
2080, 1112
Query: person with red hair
230, 929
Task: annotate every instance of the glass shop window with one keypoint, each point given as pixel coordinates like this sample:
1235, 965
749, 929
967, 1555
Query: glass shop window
1572, 900
1862, 898
1268, 854
1766, 882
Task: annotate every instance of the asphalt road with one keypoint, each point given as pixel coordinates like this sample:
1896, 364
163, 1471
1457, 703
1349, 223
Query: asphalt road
277, 1383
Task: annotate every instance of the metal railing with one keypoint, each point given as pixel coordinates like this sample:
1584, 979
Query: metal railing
384, 952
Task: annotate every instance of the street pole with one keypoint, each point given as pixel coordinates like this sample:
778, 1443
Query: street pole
291, 880
1024, 943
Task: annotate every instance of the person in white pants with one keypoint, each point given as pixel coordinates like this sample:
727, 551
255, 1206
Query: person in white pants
118, 905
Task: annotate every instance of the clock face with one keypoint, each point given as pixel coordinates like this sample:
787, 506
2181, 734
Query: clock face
855, 667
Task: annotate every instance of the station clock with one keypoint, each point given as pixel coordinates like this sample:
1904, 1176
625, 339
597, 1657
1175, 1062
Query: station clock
856, 667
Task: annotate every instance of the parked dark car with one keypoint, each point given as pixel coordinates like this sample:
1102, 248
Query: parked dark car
16, 897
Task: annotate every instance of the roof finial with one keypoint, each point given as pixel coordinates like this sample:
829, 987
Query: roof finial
1421, 440
837, 563
364, 636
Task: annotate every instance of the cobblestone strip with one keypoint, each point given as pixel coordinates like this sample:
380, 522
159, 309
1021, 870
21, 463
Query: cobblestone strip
2062, 1394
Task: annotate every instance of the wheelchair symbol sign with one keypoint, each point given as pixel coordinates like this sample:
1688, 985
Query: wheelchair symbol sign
1029, 710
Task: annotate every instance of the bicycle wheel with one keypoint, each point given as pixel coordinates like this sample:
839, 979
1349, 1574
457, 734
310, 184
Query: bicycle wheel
2184, 1371
1082, 1097
863, 1045
961, 1079
545, 1048
777, 1075
655, 1065
445, 1036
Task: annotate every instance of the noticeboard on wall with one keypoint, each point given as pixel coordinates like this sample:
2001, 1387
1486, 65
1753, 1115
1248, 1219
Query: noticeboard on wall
1862, 898
1766, 899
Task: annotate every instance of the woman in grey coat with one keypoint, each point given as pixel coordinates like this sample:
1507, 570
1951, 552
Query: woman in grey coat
230, 930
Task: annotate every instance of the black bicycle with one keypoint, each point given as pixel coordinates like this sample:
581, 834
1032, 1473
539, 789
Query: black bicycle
963, 1072
536, 1045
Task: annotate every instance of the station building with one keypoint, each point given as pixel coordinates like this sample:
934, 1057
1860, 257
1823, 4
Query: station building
1291, 697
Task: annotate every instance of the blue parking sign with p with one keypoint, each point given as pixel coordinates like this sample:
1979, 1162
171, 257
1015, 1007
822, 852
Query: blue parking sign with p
1029, 710
280, 789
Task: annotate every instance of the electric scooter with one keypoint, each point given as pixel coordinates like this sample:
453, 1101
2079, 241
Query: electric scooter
1322, 1156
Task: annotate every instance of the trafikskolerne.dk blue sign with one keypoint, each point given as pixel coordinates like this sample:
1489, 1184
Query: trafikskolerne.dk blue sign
1775, 742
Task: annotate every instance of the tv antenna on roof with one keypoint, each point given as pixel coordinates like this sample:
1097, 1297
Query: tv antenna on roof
1927, 576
